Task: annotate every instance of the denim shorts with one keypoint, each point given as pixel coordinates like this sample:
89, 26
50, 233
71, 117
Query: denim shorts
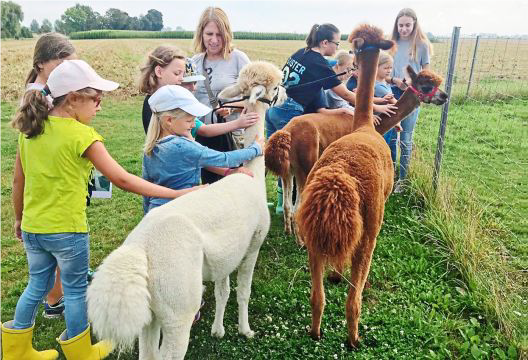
278, 116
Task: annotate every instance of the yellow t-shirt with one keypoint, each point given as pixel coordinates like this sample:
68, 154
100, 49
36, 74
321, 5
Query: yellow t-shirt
56, 176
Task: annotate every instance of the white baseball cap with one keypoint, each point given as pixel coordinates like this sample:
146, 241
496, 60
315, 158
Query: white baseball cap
170, 97
73, 75
191, 75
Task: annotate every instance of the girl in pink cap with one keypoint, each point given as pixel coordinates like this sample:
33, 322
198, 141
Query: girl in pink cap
57, 152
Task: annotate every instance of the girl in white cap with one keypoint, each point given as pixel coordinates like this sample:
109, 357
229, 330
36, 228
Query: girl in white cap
57, 152
172, 158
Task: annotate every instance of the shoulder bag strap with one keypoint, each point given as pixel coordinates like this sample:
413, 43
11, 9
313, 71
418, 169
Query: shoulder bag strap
212, 99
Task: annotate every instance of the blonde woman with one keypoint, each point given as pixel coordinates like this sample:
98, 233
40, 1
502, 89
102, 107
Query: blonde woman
413, 49
220, 63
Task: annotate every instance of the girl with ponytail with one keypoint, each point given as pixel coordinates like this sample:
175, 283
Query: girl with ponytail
57, 153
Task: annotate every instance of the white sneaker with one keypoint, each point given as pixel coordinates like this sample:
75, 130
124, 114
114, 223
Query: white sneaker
398, 187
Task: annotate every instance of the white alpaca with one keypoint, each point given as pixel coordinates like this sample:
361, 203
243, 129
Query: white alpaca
154, 280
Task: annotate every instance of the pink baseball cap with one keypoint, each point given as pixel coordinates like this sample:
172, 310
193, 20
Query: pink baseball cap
73, 75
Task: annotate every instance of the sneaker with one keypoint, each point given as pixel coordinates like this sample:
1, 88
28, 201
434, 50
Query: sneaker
54, 311
398, 187
196, 317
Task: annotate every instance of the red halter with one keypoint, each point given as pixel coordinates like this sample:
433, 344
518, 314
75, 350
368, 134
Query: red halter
423, 96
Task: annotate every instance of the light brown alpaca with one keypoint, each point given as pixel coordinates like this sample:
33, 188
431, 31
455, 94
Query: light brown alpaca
292, 151
344, 197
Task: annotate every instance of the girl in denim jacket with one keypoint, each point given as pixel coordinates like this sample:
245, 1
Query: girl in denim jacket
172, 158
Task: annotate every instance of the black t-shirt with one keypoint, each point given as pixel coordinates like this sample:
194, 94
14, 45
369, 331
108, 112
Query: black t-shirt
317, 103
147, 113
305, 66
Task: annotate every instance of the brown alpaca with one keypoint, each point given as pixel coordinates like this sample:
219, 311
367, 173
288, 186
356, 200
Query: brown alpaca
292, 151
345, 193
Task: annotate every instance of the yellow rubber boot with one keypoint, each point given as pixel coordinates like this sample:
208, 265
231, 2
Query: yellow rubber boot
81, 348
17, 345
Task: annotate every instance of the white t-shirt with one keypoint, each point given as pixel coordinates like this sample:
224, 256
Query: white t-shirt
221, 73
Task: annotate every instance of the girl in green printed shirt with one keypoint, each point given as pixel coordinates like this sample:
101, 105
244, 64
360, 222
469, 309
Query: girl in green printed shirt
56, 156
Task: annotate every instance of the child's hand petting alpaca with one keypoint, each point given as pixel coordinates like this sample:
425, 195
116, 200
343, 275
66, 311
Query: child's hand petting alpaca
246, 119
398, 127
260, 140
377, 120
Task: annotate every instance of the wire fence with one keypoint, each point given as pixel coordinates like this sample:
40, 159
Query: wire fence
485, 148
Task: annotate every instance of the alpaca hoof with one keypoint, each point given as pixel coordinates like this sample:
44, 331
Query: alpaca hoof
352, 345
247, 333
218, 332
316, 336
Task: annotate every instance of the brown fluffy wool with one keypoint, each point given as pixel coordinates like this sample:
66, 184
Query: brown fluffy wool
277, 153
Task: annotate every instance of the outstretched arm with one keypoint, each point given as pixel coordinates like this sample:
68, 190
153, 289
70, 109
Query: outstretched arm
245, 120
106, 164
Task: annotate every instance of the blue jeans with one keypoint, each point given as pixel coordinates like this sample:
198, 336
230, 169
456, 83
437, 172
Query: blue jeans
278, 116
71, 251
391, 137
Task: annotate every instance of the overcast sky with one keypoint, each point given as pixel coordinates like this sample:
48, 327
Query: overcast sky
505, 17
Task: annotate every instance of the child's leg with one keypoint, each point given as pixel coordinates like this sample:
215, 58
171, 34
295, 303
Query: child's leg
56, 292
393, 145
73, 253
41, 278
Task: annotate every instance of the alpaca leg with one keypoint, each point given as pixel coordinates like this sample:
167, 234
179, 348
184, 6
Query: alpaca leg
149, 341
287, 188
221, 295
176, 331
317, 298
360, 269
244, 278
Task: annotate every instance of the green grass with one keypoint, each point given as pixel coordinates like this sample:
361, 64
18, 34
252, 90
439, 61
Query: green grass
418, 306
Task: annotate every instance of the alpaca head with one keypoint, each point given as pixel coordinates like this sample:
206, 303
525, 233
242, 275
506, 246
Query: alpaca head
260, 81
426, 83
366, 37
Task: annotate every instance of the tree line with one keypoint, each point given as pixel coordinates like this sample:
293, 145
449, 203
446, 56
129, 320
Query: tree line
77, 18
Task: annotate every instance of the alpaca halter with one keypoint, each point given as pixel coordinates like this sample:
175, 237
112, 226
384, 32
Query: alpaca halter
270, 103
423, 96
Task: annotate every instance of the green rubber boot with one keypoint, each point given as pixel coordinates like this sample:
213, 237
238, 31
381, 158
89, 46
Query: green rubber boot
279, 209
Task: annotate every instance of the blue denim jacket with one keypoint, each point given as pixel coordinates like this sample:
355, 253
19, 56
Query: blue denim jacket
175, 162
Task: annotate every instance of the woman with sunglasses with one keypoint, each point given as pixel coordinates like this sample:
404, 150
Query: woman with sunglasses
306, 75
57, 152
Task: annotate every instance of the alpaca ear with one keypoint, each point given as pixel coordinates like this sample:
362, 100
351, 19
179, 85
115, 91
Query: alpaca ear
230, 92
358, 43
386, 44
256, 93
412, 73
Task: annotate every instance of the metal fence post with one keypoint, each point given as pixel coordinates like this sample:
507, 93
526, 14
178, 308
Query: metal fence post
445, 109
473, 64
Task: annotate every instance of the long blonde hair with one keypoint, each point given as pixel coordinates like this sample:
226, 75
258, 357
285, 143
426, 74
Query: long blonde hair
219, 17
416, 36
160, 56
31, 115
154, 129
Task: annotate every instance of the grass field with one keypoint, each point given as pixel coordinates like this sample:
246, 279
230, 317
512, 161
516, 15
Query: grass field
434, 294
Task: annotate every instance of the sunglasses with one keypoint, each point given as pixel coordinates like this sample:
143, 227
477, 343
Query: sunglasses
97, 99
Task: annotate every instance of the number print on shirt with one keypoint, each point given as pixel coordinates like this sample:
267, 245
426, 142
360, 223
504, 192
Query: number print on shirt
290, 77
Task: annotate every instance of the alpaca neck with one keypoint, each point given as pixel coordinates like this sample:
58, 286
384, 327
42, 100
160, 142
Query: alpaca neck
406, 104
257, 130
368, 66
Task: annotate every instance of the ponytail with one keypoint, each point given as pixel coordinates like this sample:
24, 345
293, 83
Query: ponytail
153, 134
320, 33
31, 115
